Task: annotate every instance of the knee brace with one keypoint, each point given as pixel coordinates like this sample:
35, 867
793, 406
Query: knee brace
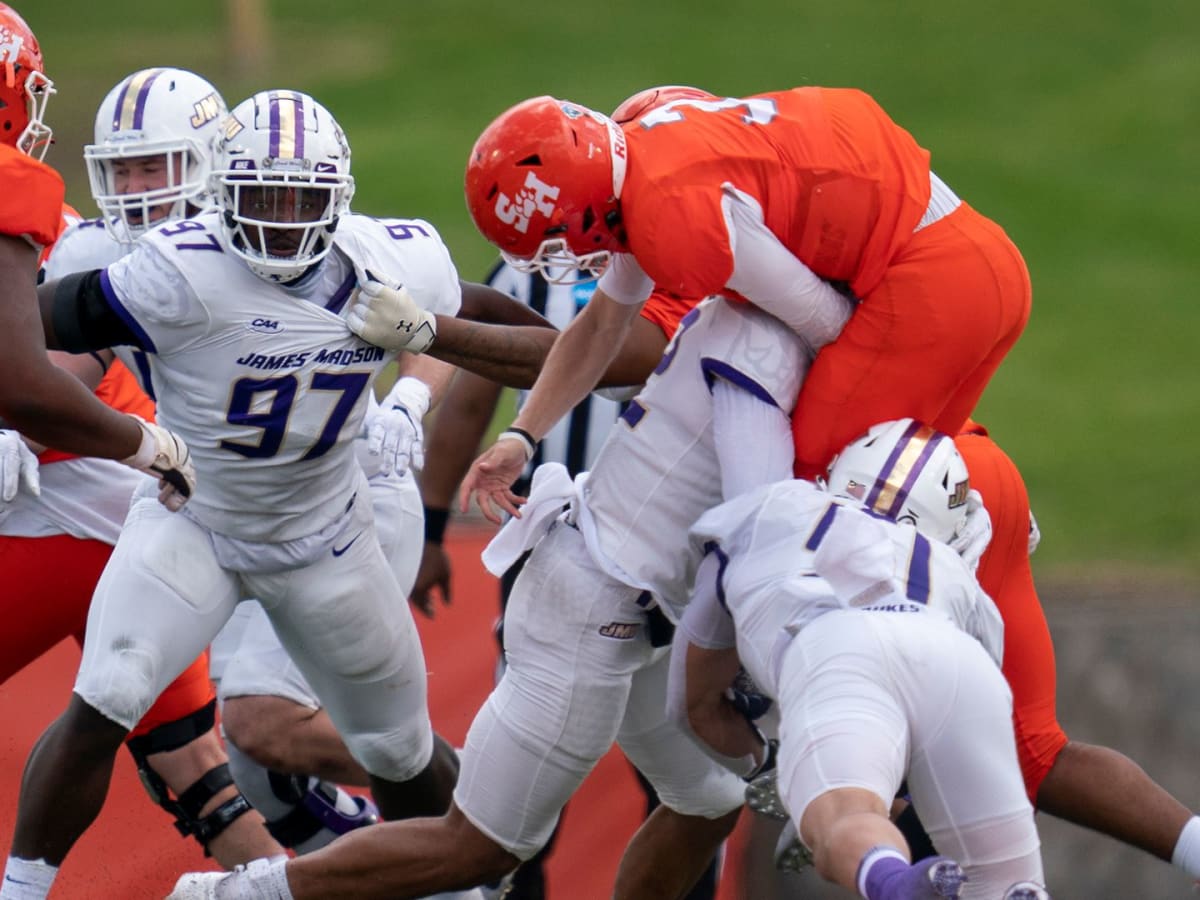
186, 807
316, 807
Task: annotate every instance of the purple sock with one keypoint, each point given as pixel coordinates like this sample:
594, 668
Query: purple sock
880, 872
885, 875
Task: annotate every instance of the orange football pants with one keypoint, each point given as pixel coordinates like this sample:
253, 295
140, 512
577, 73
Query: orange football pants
1004, 572
924, 343
47, 587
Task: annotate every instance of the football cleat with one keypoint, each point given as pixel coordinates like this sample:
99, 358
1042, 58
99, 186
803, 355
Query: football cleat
1026, 890
790, 853
762, 796
943, 878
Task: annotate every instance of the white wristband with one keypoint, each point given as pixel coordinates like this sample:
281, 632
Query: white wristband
526, 439
147, 450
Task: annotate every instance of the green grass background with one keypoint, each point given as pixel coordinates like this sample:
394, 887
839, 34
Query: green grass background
1075, 124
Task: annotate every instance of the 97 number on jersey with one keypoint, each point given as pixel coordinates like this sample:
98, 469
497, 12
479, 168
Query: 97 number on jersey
282, 392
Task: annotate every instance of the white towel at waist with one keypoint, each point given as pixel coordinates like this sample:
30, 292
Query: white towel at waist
551, 493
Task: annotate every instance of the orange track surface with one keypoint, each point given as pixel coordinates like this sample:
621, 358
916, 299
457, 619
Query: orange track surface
133, 853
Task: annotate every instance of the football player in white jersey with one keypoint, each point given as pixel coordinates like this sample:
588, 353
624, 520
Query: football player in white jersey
71, 525
586, 614
848, 607
243, 314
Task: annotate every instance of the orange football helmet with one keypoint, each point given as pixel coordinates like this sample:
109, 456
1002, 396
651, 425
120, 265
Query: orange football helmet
543, 184
24, 87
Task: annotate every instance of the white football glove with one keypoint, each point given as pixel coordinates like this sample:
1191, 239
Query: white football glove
389, 317
393, 428
1035, 533
973, 538
164, 454
18, 467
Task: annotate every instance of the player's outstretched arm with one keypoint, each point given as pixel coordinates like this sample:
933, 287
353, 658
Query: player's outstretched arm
574, 365
37, 398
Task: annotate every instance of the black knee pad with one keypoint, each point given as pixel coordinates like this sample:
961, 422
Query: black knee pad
186, 807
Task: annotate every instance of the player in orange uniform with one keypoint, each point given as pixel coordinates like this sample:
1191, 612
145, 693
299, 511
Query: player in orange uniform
771, 198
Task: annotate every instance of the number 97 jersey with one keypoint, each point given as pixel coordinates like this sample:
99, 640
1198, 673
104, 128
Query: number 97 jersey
266, 382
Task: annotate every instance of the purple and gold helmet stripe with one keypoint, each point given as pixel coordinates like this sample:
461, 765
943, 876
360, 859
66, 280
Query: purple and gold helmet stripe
287, 125
131, 103
910, 455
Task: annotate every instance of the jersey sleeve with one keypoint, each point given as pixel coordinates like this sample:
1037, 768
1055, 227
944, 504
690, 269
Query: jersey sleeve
625, 281
682, 240
429, 272
706, 622
152, 297
83, 246
31, 204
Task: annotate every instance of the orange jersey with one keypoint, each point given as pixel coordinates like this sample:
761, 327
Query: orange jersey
32, 200
840, 184
666, 311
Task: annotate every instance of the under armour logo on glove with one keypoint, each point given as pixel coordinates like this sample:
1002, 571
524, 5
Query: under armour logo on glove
389, 317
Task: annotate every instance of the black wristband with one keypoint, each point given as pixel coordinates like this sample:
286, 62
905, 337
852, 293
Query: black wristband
523, 433
435, 524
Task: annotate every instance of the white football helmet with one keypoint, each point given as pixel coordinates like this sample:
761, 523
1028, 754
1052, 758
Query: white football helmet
168, 113
906, 472
281, 180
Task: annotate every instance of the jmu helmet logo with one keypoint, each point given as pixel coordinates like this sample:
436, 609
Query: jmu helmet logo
205, 110
959, 496
535, 196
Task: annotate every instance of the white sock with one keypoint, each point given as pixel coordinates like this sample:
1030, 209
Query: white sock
27, 879
1187, 849
270, 879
